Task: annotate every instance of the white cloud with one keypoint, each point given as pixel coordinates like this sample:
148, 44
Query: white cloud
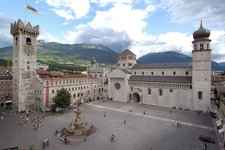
183, 11
103, 3
70, 9
170, 41
218, 42
65, 14
5, 37
121, 23
46, 36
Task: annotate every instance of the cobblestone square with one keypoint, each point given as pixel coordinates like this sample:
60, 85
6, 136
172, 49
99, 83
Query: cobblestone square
145, 127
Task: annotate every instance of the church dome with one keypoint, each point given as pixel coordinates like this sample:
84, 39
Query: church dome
201, 33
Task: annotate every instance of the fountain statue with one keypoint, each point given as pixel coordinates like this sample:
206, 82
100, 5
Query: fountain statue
79, 128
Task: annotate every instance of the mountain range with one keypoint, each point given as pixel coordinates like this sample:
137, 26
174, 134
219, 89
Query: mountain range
81, 54
172, 56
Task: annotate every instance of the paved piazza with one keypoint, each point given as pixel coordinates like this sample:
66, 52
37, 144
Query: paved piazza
153, 130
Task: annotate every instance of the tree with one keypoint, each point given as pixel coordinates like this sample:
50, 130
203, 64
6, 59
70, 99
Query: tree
62, 99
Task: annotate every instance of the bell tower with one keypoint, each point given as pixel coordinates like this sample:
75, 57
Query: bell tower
126, 60
24, 63
201, 69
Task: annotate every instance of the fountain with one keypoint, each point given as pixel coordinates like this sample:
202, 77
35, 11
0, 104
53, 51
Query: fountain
79, 128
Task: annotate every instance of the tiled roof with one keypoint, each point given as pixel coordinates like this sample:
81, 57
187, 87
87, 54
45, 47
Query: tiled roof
166, 79
163, 65
5, 76
127, 52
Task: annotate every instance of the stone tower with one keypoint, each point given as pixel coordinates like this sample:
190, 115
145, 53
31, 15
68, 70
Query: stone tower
126, 59
201, 69
24, 63
93, 63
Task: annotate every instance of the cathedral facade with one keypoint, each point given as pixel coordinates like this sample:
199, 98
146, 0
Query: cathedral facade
177, 85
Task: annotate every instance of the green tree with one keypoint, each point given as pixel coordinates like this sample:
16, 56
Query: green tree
62, 99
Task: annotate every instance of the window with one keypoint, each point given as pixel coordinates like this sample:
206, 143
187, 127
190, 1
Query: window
199, 94
160, 92
123, 64
28, 68
134, 73
152, 73
53, 91
143, 73
186, 73
149, 91
174, 73
28, 41
16, 40
201, 46
207, 46
162, 73
171, 90
195, 47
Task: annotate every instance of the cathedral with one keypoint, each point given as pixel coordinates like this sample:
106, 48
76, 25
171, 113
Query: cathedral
184, 86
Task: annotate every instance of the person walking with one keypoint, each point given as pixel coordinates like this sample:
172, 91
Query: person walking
104, 114
85, 138
28, 114
205, 146
144, 112
65, 140
124, 121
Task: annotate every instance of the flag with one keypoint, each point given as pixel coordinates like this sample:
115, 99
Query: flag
31, 9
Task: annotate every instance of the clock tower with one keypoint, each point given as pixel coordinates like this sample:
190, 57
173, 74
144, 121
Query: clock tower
24, 63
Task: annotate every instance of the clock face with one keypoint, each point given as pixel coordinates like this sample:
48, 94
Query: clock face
117, 85
28, 50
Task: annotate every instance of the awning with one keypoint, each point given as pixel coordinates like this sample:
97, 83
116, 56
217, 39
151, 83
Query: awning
221, 130
219, 123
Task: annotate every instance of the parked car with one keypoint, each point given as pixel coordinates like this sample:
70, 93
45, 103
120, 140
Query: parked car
207, 138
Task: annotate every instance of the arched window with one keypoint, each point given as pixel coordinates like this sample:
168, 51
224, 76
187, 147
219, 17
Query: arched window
28, 41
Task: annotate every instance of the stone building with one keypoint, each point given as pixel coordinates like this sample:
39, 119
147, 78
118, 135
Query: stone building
5, 87
24, 63
179, 85
81, 87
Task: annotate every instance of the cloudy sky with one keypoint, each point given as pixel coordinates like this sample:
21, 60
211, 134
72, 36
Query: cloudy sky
143, 26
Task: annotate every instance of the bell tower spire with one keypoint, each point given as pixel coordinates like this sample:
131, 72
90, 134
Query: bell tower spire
201, 69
